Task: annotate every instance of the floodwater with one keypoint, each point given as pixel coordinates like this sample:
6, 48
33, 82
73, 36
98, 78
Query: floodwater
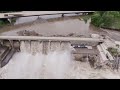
63, 27
33, 18
30, 63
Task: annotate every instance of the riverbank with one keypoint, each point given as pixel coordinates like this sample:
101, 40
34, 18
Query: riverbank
3, 23
106, 20
6, 23
115, 25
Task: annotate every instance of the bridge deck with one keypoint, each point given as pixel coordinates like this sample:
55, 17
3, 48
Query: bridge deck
40, 13
49, 38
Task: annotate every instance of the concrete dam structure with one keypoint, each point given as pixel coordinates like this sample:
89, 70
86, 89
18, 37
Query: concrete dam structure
12, 44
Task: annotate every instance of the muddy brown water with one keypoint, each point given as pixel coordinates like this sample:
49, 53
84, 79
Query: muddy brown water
55, 25
57, 64
61, 27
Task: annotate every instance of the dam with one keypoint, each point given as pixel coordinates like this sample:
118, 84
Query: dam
47, 44
49, 59
57, 49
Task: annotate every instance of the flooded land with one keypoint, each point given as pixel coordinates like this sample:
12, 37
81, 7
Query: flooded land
59, 63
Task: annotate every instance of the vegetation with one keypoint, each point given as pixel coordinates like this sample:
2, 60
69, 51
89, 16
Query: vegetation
113, 51
106, 19
3, 23
6, 22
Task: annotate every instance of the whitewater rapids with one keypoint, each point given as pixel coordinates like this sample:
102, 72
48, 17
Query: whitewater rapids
31, 63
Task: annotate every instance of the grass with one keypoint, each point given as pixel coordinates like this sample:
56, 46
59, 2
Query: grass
85, 17
115, 25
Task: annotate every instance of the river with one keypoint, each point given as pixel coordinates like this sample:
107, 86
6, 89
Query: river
42, 26
30, 63
60, 26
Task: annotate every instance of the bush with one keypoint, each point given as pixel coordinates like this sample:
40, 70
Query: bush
3, 23
113, 51
96, 19
106, 19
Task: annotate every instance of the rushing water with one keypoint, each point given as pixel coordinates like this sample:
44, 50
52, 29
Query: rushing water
32, 63
33, 18
58, 63
64, 27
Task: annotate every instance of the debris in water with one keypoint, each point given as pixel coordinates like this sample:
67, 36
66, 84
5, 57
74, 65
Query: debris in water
28, 33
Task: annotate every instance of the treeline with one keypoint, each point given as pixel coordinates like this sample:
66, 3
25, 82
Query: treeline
106, 19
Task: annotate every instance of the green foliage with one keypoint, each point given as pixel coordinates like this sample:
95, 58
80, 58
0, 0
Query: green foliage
108, 19
113, 51
96, 19
3, 23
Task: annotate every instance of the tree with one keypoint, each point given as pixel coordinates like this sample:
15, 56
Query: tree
107, 19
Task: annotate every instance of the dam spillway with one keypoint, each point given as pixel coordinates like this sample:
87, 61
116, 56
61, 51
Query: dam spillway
42, 45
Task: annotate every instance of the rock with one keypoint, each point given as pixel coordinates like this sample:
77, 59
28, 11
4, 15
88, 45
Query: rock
80, 36
95, 36
28, 33
81, 58
92, 61
71, 34
58, 36
77, 57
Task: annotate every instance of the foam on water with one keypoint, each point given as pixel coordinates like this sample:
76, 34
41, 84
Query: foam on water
58, 63
34, 64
